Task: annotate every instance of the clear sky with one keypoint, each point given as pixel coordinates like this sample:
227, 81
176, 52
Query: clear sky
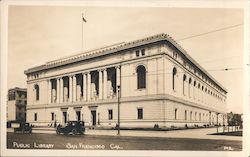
38, 34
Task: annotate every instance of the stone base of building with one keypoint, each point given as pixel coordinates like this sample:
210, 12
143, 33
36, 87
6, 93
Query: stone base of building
137, 114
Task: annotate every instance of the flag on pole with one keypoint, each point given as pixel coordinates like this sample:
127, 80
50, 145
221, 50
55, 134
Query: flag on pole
83, 19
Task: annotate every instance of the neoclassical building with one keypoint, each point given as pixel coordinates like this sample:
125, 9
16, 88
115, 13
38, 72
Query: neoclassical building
159, 84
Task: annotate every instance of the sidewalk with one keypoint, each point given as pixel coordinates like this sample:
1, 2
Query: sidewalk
202, 133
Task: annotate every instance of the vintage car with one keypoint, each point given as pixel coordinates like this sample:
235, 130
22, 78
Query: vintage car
23, 128
72, 127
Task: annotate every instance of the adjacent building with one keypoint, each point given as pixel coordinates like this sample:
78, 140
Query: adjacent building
160, 84
16, 105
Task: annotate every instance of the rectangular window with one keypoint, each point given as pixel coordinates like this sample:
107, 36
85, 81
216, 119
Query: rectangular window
52, 116
35, 117
143, 52
185, 114
12, 95
110, 116
137, 53
139, 113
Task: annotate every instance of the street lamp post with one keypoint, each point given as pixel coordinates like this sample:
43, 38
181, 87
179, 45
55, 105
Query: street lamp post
118, 123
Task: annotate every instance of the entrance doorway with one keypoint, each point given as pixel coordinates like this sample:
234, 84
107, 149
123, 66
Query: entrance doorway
65, 117
78, 115
93, 117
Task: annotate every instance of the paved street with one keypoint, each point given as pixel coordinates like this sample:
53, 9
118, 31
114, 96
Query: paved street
202, 133
53, 141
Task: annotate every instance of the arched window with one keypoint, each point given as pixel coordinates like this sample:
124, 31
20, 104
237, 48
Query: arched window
190, 115
141, 77
202, 89
175, 114
37, 91
194, 90
198, 92
189, 86
173, 77
184, 79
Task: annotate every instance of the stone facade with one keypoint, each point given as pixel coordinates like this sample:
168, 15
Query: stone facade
16, 105
159, 84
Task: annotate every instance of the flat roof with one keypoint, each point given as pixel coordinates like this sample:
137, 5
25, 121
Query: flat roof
116, 48
18, 89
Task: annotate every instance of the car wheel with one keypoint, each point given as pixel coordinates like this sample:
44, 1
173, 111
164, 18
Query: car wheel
81, 132
73, 131
57, 132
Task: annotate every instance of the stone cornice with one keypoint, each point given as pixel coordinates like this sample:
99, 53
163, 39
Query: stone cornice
120, 47
103, 67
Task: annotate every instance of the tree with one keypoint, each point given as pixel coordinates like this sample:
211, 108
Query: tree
234, 119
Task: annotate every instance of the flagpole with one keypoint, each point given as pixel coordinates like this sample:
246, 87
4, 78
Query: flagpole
82, 31
83, 20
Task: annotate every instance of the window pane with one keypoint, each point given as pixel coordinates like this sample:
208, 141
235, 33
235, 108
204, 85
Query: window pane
140, 113
35, 116
110, 114
143, 52
137, 53
52, 116
141, 77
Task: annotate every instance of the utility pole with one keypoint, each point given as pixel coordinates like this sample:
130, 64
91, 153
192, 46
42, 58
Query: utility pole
119, 97
118, 123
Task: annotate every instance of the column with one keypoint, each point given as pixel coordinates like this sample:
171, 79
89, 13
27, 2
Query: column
105, 84
74, 88
100, 84
49, 91
70, 88
117, 78
61, 90
57, 90
84, 86
88, 86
